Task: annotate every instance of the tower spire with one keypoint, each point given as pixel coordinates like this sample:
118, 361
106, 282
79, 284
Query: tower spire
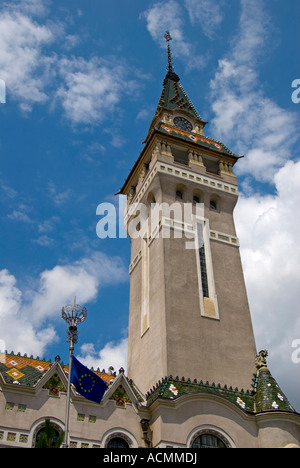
170, 68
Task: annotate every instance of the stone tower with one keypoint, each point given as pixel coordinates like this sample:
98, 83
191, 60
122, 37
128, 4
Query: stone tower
189, 313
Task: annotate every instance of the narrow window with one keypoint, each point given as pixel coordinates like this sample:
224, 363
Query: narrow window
202, 257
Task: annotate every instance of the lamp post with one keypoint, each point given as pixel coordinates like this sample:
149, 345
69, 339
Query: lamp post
73, 315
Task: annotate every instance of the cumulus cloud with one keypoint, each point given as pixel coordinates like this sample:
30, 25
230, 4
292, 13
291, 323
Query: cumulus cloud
113, 354
17, 330
92, 88
245, 117
24, 67
24, 313
269, 229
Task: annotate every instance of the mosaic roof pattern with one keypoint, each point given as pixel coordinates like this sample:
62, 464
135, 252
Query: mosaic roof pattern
200, 140
265, 394
28, 370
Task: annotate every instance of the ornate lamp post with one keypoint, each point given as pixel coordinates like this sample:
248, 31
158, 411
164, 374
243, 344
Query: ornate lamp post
73, 315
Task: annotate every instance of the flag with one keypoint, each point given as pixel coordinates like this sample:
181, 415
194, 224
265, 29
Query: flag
86, 382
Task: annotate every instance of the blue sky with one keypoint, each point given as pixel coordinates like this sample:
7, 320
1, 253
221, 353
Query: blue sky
83, 80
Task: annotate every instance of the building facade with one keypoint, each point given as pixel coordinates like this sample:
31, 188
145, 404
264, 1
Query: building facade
194, 376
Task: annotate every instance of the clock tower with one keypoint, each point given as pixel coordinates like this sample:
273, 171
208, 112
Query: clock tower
189, 315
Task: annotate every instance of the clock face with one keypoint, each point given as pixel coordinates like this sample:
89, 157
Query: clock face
183, 123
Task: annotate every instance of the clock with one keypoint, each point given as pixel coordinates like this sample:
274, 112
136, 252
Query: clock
184, 124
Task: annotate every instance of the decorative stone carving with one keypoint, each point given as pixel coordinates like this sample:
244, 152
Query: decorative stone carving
260, 360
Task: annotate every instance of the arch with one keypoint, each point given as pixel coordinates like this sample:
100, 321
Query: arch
38, 426
120, 436
198, 196
215, 203
215, 438
180, 192
150, 199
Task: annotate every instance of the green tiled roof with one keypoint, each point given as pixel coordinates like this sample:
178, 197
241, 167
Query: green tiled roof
173, 388
265, 395
173, 96
268, 396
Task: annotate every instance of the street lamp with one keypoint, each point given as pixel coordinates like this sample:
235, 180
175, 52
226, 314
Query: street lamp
73, 315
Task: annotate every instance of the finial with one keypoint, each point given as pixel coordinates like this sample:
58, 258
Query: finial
170, 69
168, 38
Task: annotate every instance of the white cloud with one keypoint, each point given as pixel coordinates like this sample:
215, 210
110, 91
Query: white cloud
245, 118
205, 12
23, 314
168, 16
92, 88
18, 333
23, 66
269, 229
34, 72
82, 279
20, 214
112, 354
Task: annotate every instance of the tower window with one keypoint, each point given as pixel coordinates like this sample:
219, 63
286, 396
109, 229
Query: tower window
202, 257
203, 272
213, 205
211, 165
180, 156
179, 195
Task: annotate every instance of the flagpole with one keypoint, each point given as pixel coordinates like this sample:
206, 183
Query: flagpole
73, 315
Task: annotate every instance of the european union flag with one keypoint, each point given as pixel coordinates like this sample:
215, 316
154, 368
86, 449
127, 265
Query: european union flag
86, 382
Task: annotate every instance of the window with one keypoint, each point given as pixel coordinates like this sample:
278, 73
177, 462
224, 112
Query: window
181, 156
202, 258
211, 165
208, 441
117, 442
213, 205
179, 195
196, 199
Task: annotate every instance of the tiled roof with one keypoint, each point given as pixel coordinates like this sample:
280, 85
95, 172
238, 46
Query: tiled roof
268, 396
265, 395
173, 96
28, 370
172, 388
191, 137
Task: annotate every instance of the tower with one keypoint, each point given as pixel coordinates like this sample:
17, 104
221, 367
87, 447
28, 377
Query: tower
188, 312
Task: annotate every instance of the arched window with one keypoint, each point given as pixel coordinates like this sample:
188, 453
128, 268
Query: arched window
179, 195
209, 438
196, 199
213, 205
49, 435
208, 441
117, 442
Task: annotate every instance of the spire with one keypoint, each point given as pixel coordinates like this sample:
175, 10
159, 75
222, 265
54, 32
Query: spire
170, 68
